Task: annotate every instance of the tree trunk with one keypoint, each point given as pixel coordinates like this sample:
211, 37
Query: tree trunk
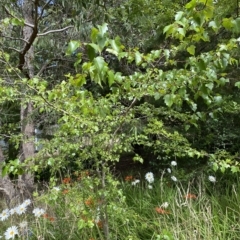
26, 57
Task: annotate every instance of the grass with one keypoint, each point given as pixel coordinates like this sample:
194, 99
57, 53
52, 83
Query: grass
199, 211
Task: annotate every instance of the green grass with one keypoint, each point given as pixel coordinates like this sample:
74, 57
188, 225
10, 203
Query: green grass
213, 215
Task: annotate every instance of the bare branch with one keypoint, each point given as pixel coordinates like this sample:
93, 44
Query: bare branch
20, 39
54, 31
14, 49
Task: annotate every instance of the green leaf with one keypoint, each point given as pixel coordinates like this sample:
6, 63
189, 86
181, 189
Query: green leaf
91, 51
110, 78
209, 86
94, 34
17, 22
168, 99
99, 63
191, 4
235, 169
103, 29
191, 49
72, 46
236, 25
181, 31
218, 99
227, 23
237, 84
138, 58
178, 16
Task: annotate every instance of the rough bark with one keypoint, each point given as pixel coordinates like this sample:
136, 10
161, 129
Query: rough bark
26, 57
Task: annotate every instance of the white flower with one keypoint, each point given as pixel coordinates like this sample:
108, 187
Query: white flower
11, 232
13, 211
149, 177
26, 203
21, 209
38, 212
23, 224
135, 182
169, 170
212, 179
56, 188
174, 178
173, 163
150, 186
164, 205
5, 214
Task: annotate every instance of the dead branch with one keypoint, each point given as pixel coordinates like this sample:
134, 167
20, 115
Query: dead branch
54, 31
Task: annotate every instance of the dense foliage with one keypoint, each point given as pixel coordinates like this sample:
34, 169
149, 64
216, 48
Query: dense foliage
86, 84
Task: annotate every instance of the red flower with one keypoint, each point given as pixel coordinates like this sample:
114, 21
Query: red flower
161, 210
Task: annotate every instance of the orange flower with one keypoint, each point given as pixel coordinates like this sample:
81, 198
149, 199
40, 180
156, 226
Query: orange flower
161, 210
128, 178
66, 180
45, 215
65, 191
89, 202
190, 196
51, 219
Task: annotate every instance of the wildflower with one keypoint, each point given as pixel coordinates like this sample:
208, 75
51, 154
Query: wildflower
165, 205
56, 188
161, 210
149, 177
21, 209
212, 179
26, 203
128, 178
66, 180
11, 232
5, 214
38, 212
51, 219
89, 202
65, 191
23, 224
169, 170
135, 182
13, 211
150, 186
173, 163
190, 196
174, 178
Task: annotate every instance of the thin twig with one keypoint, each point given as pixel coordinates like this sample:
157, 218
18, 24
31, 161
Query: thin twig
14, 49
43, 8
54, 31
20, 39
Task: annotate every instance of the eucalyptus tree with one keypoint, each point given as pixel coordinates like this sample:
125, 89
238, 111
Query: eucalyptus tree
34, 35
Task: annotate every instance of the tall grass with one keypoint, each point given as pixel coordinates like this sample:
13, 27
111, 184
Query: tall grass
194, 211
